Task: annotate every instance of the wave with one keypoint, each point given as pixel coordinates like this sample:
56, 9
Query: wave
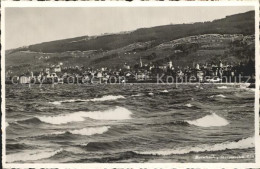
107, 98
244, 85
90, 131
62, 119
119, 113
31, 156
188, 105
241, 144
33, 120
165, 91
101, 146
56, 102
250, 89
137, 95
219, 95
68, 101
85, 131
181, 123
104, 98
222, 87
212, 120
6, 124
17, 146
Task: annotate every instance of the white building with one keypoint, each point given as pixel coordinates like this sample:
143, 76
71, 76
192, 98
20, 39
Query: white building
197, 66
57, 68
99, 75
170, 64
24, 80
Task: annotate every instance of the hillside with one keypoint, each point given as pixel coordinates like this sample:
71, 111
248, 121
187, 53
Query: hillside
228, 39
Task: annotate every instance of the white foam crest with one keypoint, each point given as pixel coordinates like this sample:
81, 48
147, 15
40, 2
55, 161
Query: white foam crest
108, 97
241, 144
62, 119
90, 131
244, 85
6, 124
65, 101
104, 98
56, 102
137, 95
119, 113
219, 95
165, 91
30, 156
85, 131
58, 133
222, 87
212, 120
188, 105
83, 144
74, 100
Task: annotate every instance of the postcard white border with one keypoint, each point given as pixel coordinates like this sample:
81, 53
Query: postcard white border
130, 4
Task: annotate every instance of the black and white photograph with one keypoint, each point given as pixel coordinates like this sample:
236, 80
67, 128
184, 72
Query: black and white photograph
129, 84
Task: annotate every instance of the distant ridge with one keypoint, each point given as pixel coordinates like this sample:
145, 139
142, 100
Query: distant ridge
155, 45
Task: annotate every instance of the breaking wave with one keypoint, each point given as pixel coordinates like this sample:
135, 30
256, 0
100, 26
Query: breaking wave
165, 91
104, 98
119, 113
188, 105
212, 120
219, 95
86, 131
137, 95
33, 120
90, 131
241, 144
222, 87
31, 156
150, 94
108, 97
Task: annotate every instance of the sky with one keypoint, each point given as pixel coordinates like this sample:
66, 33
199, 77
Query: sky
27, 26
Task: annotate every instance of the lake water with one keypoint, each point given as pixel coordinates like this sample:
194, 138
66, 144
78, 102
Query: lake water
129, 123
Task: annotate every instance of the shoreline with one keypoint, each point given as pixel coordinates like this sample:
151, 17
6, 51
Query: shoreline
88, 84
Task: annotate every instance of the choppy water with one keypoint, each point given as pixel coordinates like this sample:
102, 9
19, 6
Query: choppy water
129, 123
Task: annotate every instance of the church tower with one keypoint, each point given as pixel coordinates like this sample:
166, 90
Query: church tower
141, 63
170, 64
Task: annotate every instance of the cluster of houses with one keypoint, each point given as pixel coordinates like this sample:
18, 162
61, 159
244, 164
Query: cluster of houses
140, 73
